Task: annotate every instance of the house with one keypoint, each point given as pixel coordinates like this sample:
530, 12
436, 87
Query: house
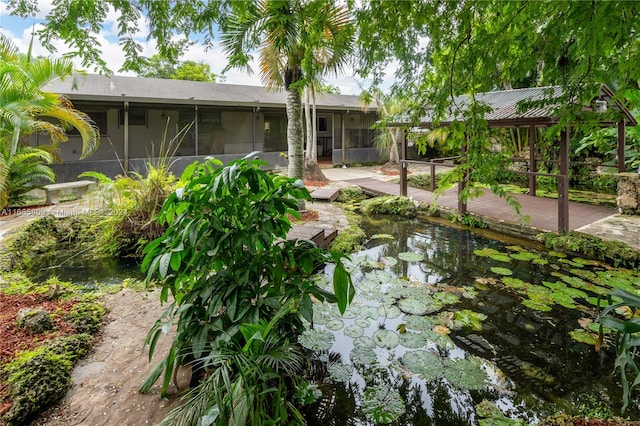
135, 115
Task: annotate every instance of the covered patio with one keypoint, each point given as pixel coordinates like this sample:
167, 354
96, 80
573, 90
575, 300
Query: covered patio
504, 113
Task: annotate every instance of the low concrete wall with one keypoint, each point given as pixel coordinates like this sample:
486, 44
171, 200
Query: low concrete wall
629, 193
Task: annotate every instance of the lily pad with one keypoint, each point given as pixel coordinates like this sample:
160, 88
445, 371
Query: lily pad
386, 338
423, 363
340, 372
335, 325
382, 404
363, 355
413, 340
486, 252
525, 256
408, 256
516, 283
316, 340
465, 374
445, 298
390, 312
353, 331
501, 271
536, 306
390, 261
583, 336
413, 306
470, 319
500, 258
557, 254
363, 322
418, 323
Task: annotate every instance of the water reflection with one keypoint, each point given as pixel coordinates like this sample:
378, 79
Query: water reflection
535, 367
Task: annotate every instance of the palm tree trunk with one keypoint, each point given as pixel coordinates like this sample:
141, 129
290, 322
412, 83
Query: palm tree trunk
309, 127
295, 139
394, 156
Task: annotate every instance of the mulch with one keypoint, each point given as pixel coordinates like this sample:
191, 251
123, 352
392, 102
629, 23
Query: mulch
14, 339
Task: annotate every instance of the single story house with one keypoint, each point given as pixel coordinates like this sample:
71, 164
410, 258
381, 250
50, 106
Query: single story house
136, 115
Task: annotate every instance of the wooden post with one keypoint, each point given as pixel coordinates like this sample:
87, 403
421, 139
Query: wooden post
533, 167
126, 138
621, 145
462, 205
432, 183
563, 183
403, 164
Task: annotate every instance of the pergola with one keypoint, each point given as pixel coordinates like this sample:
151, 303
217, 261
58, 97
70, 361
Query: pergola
504, 113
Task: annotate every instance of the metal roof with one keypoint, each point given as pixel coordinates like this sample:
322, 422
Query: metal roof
93, 87
504, 109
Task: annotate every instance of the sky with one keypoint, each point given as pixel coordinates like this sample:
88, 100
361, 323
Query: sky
19, 30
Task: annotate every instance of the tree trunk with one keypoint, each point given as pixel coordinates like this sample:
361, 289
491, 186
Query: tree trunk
394, 155
295, 138
312, 171
309, 127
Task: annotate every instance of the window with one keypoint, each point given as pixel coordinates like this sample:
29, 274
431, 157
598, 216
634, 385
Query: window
100, 120
137, 117
322, 124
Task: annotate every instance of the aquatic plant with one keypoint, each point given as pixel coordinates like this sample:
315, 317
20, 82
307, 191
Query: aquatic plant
382, 404
316, 340
627, 340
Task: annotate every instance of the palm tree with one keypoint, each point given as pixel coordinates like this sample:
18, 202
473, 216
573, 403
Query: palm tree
389, 137
296, 40
26, 109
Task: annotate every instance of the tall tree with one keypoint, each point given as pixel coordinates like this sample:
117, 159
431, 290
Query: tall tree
452, 48
193, 71
296, 40
26, 109
389, 107
290, 35
158, 66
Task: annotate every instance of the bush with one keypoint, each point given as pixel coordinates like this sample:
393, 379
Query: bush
226, 262
390, 205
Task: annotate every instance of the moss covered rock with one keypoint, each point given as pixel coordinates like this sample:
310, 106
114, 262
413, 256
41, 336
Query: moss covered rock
390, 205
36, 379
34, 320
86, 317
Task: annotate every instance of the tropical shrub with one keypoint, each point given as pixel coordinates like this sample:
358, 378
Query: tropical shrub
24, 171
131, 204
627, 339
225, 260
26, 109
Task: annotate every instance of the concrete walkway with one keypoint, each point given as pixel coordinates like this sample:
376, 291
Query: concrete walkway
615, 227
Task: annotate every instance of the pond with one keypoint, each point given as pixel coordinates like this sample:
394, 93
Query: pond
448, 327
444, 319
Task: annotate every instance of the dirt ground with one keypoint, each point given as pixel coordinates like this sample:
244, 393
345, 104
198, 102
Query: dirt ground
106, 382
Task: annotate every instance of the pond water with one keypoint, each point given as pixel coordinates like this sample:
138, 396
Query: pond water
444, 319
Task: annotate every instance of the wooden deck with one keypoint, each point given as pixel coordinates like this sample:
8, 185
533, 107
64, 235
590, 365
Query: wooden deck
319, 234
542, 212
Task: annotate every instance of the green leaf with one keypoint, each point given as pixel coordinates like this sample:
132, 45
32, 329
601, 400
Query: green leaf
306, 308
342, 287
176, 260
165, 259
